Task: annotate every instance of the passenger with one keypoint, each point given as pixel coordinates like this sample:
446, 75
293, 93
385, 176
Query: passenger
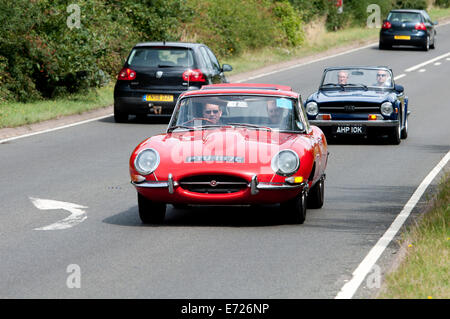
342, 77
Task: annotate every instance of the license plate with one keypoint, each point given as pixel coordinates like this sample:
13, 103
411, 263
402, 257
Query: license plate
349, 129
158, 98
402, 37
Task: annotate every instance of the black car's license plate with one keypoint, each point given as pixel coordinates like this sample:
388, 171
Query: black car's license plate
349, 129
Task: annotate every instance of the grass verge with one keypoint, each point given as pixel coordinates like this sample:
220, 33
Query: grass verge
425, 270
17, 114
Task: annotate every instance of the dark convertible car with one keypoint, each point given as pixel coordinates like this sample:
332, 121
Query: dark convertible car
359, 101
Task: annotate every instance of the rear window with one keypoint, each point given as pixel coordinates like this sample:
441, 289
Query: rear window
161, 57
404, 17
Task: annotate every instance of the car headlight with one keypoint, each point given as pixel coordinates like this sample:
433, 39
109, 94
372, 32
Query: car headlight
312, 109
285, 163
387, 109
146, 161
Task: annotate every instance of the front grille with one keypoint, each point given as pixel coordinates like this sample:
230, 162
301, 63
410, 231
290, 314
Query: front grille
213, 184
349, 107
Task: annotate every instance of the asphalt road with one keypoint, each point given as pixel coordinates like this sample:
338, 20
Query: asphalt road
213, 252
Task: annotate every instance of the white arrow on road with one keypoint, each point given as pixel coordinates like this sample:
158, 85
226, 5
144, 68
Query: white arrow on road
77, 216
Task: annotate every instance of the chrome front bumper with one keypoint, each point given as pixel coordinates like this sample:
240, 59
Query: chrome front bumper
377, 123
254, 185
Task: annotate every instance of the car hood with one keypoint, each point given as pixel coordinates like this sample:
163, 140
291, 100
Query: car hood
375, 96
226, 149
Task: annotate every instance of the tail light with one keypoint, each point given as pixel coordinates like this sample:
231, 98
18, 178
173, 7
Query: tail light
194, 76
386, 25
420, 26
126, 74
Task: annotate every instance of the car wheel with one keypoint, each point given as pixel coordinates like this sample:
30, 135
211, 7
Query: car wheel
316, 195
296, 208
151, 212
426, 45
395, 134
404, 134
383, 46
433, 46
120, 117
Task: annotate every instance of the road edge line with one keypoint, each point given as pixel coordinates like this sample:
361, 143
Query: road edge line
350, 288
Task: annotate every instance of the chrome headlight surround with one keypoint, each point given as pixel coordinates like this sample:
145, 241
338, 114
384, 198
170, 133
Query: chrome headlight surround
387, 109
147, 161
312, 109
285, 163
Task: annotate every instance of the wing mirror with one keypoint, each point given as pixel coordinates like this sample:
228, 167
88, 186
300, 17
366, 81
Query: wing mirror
226, 68
399, 88
435, 23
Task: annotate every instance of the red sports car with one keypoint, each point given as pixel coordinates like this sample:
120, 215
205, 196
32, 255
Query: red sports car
233, 144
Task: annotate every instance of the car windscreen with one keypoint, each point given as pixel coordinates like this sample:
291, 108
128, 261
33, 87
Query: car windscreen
161, 57
278, 113
355, 77
404, 17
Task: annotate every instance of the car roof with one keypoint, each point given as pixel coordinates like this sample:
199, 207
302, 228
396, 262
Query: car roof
247, 86
407, 10
169, 44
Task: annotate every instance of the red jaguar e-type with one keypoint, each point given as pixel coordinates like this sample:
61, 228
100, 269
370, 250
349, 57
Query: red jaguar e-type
233, 144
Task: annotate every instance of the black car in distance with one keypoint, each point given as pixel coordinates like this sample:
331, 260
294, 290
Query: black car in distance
156, 73
408, 27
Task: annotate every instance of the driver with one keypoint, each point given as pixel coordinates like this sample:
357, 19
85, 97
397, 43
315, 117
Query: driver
383, 79
212, 113
274, 113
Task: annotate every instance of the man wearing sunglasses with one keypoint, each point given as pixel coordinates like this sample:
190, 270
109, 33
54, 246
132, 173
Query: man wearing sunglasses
212, 113
383, 79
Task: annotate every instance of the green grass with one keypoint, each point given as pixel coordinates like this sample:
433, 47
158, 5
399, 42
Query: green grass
425, 271
17, 114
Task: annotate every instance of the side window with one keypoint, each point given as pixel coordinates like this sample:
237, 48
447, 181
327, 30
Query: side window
205, 56
213, 60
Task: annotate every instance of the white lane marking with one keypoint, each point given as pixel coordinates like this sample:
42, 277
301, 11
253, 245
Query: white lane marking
437, 63
77, 215
422, 70
418, 66
350, 288
54, 129
448, 59
399, 76
306, 63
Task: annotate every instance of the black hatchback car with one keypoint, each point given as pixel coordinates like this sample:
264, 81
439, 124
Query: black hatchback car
408, 27
156, 73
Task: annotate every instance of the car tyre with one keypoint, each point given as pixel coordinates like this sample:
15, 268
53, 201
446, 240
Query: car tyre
296, 208
383, 46
426, 45
433, 46
316, 194
120, 117
395, 134
151, 212
404, 134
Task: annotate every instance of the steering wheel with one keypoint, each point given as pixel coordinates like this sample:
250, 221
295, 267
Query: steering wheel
198, 118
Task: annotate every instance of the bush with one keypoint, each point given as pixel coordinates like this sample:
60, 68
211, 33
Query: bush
442, 3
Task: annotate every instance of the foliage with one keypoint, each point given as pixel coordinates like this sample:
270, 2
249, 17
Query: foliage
442, 3
411, 4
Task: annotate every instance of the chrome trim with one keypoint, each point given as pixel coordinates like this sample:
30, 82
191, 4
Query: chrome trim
170, 183
151, 184
279, 186
386, 123
254, 185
